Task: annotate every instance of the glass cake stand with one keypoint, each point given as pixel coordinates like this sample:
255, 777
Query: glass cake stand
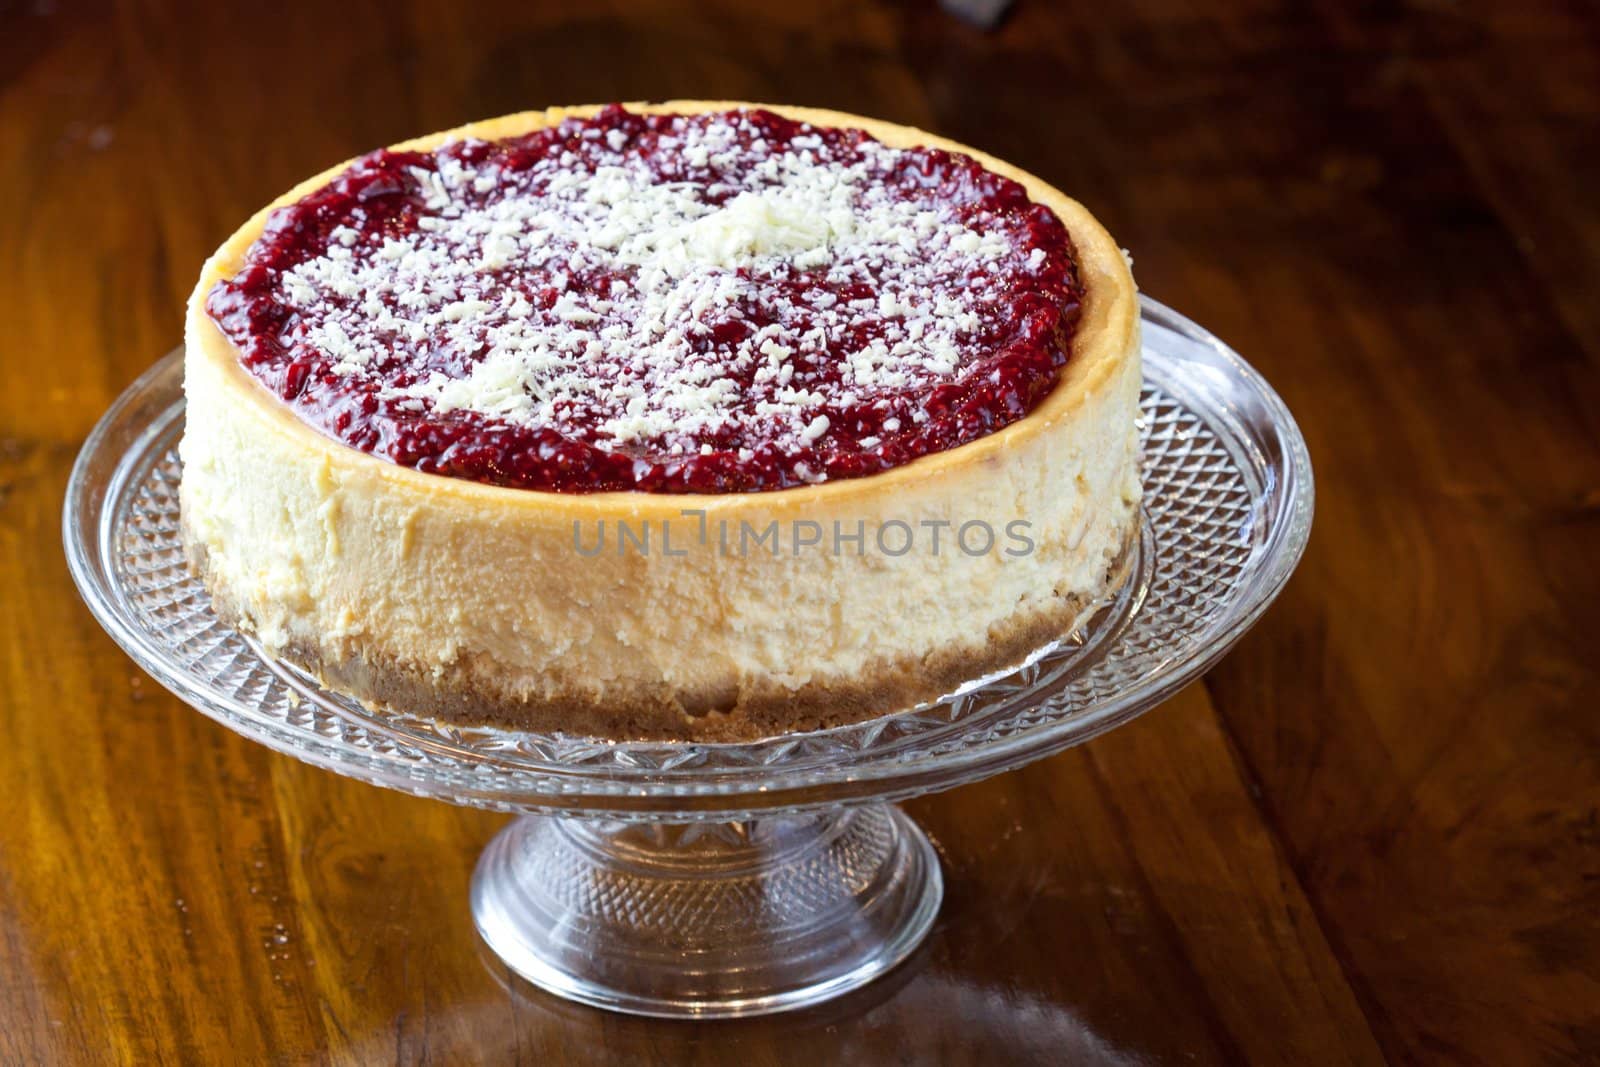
710, 880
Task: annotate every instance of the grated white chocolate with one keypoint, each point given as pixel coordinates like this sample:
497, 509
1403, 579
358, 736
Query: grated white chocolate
642, 272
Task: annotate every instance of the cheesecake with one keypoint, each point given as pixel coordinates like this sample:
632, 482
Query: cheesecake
700, 420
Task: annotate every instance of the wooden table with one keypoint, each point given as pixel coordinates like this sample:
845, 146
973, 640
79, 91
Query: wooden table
1372, 833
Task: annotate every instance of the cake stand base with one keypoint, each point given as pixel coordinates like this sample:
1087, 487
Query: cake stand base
778, 911
707, 920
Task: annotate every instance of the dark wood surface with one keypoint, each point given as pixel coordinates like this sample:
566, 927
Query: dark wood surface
1372, 833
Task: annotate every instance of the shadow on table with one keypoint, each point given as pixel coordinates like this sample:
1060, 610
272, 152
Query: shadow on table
917, 1011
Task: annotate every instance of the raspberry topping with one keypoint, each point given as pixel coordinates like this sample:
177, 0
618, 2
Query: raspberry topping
669, 303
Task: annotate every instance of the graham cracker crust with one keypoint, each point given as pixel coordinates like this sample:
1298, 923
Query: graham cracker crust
752, 710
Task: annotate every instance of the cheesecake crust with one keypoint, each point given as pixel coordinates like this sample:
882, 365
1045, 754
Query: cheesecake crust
465, 690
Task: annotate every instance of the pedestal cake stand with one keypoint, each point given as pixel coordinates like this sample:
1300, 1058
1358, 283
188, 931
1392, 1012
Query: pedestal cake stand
696, 880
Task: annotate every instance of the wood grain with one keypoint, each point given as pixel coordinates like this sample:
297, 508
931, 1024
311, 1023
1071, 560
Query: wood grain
1372, 834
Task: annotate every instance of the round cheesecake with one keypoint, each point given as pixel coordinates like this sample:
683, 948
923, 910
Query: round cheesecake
699, 420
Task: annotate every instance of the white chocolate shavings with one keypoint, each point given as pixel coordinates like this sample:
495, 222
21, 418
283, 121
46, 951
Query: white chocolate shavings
450, 303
